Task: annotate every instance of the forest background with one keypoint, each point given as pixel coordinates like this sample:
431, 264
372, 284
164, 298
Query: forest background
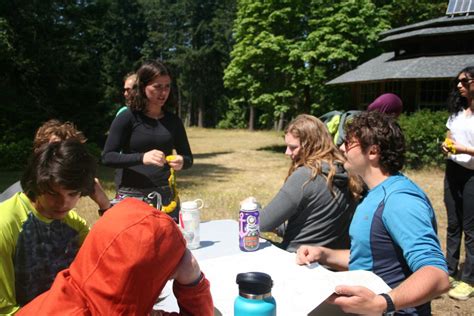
238, 63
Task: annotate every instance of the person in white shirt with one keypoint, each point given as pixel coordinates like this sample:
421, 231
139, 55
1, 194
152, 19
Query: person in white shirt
459, 183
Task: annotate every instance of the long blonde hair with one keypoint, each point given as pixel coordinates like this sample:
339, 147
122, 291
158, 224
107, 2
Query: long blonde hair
317, 147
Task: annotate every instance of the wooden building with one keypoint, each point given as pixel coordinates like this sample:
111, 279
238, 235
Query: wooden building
419, 62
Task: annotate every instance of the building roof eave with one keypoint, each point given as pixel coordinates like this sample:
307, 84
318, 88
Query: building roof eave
437, 22
384, 68
435, 31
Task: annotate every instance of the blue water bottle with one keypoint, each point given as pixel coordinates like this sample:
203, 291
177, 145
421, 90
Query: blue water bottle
255, 296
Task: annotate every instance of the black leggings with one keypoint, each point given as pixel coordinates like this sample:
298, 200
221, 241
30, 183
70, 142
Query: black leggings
459, 201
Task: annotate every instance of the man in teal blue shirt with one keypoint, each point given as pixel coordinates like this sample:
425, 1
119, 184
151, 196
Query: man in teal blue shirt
393, 231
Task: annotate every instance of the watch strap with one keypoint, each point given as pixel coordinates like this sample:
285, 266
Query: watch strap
101, 211
390, 311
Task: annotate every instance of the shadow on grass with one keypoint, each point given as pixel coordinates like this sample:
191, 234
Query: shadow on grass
211, 155
186, 178
275, 148
203, 172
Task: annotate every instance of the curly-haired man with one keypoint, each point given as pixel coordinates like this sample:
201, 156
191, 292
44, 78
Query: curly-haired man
393, 231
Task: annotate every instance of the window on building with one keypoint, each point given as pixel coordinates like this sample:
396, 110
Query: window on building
393, 87
368, 92
434, 94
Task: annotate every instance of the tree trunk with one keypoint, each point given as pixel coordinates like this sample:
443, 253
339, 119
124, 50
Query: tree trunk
201, 109
281, 122
189, 114
179, 104
252, 118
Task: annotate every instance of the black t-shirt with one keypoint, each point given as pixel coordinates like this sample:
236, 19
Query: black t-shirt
132, 134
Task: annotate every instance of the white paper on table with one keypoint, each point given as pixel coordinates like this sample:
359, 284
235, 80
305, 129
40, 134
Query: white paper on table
296, 289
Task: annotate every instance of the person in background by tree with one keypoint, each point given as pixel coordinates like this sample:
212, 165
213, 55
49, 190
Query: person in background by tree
393, 231
122, 267
143, 136
317, 201
388, 103
50, 131
40, 232
459, 184
129, 86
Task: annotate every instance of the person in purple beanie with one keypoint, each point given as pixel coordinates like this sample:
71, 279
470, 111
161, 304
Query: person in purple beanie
388, 103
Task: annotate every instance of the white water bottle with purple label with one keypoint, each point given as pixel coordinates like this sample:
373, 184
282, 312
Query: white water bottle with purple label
249, 226
189, 219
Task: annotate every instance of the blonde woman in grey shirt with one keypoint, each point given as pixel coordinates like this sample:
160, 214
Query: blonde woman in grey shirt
317, 200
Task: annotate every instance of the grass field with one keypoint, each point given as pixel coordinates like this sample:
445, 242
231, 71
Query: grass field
230, 165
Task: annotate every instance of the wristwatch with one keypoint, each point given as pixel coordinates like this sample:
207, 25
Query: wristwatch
101, 211
390, 311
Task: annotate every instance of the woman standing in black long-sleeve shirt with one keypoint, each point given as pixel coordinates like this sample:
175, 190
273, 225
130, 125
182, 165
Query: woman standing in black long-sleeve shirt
141, 137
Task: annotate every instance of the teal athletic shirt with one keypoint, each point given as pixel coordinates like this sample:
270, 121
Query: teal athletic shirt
393, 234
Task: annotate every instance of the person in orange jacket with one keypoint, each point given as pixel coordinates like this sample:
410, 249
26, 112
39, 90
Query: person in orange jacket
122, 267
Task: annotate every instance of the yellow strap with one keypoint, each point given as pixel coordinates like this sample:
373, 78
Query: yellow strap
172, 183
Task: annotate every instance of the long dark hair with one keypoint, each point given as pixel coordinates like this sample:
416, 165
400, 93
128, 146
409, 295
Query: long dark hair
145, 74
456, 102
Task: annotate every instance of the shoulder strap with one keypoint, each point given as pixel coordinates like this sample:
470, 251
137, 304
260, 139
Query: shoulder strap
341, 133
325, 118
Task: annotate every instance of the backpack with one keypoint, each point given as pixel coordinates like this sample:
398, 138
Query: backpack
336, 121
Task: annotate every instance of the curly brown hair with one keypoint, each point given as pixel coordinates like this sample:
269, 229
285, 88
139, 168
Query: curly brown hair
55, 130
383, 131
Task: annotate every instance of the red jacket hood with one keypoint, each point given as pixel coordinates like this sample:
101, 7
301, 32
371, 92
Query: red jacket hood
121, 268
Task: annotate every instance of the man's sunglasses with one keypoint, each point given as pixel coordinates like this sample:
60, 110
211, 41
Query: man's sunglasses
349, 144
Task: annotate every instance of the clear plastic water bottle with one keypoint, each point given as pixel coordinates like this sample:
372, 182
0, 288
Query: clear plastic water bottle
189, 219
255, 296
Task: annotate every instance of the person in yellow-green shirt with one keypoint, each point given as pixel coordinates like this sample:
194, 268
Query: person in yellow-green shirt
40, 234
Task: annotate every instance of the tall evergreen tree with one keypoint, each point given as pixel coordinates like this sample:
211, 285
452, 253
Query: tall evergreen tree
193, 37
120, 39
52, 65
